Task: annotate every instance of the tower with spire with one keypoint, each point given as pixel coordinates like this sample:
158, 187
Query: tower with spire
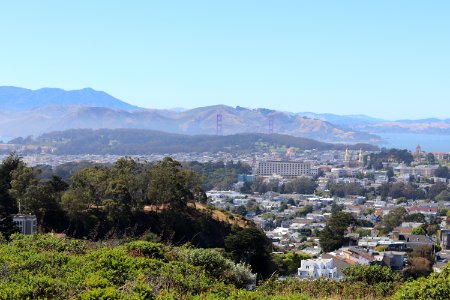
361, 158
419, 152
347, 158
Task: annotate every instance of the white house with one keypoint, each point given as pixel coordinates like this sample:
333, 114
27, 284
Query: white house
315, 268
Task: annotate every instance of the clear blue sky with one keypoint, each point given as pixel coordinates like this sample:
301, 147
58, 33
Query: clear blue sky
387, 59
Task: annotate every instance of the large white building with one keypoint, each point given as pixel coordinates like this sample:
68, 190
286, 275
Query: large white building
285, 168
316, 268
422, 170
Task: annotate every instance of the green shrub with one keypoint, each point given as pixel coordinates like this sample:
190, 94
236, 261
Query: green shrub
147, 249
435, 286
371, 274
42, 266
108, 293
217, 266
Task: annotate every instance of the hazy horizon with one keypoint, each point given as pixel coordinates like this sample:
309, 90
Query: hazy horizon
247, 107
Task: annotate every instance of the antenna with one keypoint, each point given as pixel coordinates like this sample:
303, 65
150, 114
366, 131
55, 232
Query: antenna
219, 129
270, 124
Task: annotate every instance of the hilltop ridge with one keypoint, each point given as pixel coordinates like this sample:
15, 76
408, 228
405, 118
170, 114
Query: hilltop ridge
17, 99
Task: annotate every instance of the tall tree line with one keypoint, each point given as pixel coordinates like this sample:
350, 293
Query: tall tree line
105, 197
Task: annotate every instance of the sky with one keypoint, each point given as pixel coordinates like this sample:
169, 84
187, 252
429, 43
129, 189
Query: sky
387, 59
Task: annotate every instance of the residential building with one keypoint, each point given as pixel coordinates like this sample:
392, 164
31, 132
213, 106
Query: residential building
26, 223
316, 268
444, 235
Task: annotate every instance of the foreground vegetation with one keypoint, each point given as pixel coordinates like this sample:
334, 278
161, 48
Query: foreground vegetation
46, 266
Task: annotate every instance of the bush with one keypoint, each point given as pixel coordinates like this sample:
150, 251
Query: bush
289, 263
435, 286
108, 293
147, 249
371, 274
217, 266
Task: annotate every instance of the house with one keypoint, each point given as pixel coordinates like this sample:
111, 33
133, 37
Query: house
357, 256
444, 237
413, 241
428, 210
392, 259
372, 242
316, 268
26, 223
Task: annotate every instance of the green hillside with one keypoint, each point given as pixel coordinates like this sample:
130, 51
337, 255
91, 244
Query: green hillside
139, 141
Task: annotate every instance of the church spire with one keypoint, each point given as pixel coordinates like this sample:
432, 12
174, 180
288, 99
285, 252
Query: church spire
347, 155
361, 158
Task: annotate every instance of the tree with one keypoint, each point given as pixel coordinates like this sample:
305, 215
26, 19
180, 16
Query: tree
418, 267
394, 218
131, 182
419, 230
412, 191
332, 237
251, 246
416, 217
443, 211
241, 210
442, 171
420, 262
8, 204
23, 182
432, 229
57, 184
401, 200
436, 189
172, 185
302, 185
368, 211
383, 190
260, 185
390, 174
335, 208
118, 205
220, 176
396, 190
288, 264
87, 191
346, 189
430, 158
302, 212
443, 196
381, 248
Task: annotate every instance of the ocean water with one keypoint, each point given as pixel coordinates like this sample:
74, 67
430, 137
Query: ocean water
428, 142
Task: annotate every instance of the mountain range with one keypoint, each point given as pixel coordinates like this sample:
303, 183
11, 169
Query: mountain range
379, 126
18, 99
25, 112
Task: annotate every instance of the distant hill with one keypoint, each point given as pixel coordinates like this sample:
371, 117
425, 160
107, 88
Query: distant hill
426, 126
346, 121
15, 98
25, 112
362, 123
198, 121
139, 141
